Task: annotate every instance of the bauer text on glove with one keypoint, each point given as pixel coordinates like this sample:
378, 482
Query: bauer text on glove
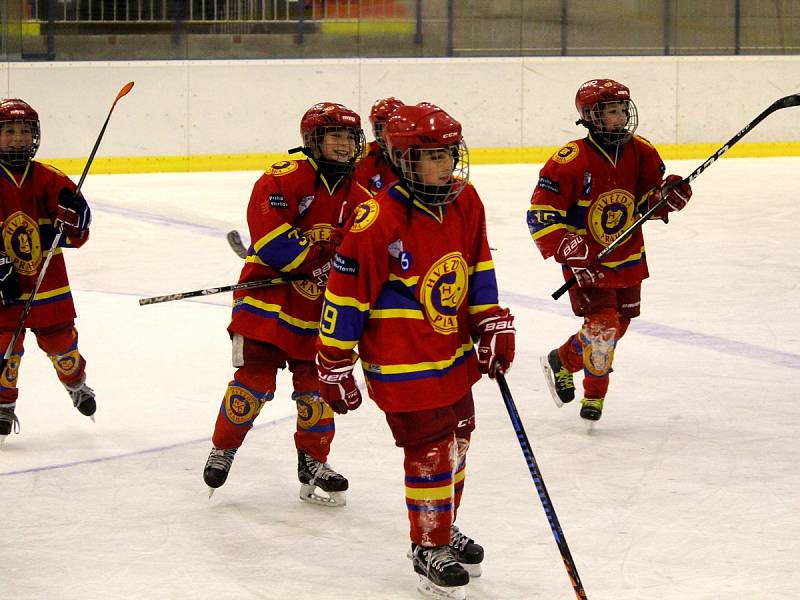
496, 343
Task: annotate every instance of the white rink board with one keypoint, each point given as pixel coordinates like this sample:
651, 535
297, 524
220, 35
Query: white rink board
180, 108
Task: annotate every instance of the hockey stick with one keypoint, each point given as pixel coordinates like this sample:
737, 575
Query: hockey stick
235, 241
785, 102
549, 510
57, 238
219, 290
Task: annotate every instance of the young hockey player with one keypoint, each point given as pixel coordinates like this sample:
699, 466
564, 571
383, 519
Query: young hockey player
374, 171
35, 201
588, 193
294, 209
412, 285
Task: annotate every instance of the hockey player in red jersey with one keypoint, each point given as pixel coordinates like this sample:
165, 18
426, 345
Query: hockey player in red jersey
294, 211
375, 171
588, 193
35, 200
412, 285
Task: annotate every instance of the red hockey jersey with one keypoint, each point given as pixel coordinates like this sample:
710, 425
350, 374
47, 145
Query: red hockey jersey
585, 189
373, 172
291, 207
28, 208
408, 285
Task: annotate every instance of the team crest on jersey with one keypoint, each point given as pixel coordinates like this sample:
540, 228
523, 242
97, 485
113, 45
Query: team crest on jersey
283, 167
609, 214
318, 233
23, 243
241, 406
443, 290
366, 213
566, 154
307, 289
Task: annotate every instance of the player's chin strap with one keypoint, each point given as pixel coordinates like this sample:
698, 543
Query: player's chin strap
304, 149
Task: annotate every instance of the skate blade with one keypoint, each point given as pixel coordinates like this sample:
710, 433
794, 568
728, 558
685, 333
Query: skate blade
92, 418
549, 377
308, 493
2, 440
590, 425
427, 588
211, 492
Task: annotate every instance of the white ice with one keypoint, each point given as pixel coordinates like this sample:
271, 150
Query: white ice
688, 488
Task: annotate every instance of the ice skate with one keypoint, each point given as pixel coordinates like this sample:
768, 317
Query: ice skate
440, 575
315, 475
468, 553
559, 379
8, 421
217, 467
591, 411
82, 397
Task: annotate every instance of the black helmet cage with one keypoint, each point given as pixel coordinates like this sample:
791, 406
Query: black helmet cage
613, 137
20, 156
434, 195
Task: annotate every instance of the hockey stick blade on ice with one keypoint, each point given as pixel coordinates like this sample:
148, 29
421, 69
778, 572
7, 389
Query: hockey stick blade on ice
218, 290
235, 241
785, 102
547, 504
26, 309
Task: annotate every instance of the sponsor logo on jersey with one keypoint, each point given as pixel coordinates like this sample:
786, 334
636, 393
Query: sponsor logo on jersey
566, 154
548, 184
345, 265
283, 167
366, 213
609, 214
23, 243
241, 406
443, 290
304, 204
278, 201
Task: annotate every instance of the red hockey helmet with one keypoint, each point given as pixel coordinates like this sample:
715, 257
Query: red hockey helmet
378, 115
326, 117
596, 94
411, 133
14, 110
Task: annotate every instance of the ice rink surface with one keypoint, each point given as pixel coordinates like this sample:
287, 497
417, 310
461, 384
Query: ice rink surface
688, 489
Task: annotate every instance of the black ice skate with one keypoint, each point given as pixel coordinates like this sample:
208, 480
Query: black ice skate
468, 554
82, 397
314, 474
558, 378
440, 575
8, 421
217, 467
592, 409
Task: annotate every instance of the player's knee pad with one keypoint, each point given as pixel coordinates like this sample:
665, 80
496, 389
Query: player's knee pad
598, 338
313, 414
242, 404
69, 364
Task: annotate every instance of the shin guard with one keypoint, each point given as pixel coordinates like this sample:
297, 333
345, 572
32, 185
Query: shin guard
315, 425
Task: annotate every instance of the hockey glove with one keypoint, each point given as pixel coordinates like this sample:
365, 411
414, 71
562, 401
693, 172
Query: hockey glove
337, 386
317, 264
676, 193
587, 277
73, 212
496, 343
574, 251
9, 284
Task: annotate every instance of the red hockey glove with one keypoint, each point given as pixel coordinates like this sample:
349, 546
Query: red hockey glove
496, 343
9, 284
675, 192
73, 212
574, 251
337, 386
317, 264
